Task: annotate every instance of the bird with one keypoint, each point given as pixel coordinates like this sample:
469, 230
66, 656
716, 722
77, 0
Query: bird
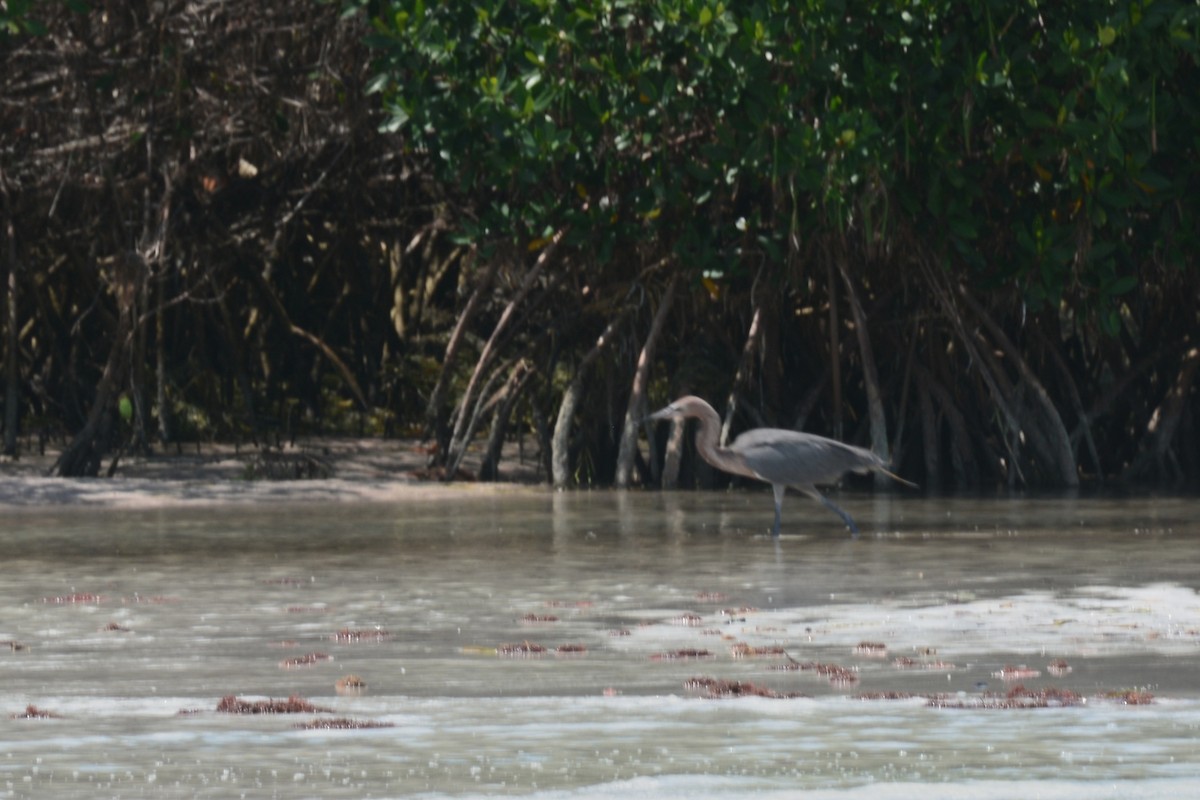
777, 456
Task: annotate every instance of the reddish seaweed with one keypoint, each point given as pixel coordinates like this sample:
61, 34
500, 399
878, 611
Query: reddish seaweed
1058, 667
341, 724
904, 662
1019, 673
539, 618
571, 649
348, 636
293, 705
153, 599
871, 649
888, 696
687, 619
1131, 697
743, 650
526, 648
306, 660
33, 712
680, 655
715, 688
1018, 697
76, 599
834, 673
350, 684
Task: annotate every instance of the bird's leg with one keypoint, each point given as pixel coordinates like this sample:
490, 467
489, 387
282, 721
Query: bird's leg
836, 509
779, 490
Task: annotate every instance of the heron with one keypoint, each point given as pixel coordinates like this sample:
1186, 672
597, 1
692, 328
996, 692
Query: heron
776, 456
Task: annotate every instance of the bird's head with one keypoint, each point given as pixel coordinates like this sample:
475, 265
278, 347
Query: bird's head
682, 408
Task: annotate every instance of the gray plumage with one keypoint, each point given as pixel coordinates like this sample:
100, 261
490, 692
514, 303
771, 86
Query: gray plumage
776, 456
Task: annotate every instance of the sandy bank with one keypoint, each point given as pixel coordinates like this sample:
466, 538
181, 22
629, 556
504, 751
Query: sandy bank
370, 470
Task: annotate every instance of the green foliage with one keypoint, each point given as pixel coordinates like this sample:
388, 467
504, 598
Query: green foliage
1047, 148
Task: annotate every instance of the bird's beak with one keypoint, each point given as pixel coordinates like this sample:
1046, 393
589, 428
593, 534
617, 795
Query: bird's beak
897, 478
661, 414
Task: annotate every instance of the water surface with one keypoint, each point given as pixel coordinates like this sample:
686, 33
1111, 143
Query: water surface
133, 624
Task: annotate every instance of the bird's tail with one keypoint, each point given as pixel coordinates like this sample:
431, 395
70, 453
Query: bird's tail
897, 478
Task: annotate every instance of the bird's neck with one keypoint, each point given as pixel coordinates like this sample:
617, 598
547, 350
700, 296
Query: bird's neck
707, 446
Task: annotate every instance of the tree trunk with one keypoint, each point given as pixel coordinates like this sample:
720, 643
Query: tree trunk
459, 440
560, 459
434, 414
1083, 425
486, 402
673, 457
627, 451
160, 369
929, 436
489, 470
743, 371
1049, 420
879, 437
962, 456
12, 376
1164, 422
835, 350
83, 456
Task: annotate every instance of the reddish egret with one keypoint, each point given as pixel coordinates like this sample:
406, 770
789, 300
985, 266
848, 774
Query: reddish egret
779, 457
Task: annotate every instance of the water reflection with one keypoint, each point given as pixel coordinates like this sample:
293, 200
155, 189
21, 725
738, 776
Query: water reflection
125, 619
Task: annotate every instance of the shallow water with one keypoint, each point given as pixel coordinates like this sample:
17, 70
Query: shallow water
133, 624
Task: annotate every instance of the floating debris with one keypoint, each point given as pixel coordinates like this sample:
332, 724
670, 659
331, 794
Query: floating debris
33, 712
871, 649
306, 660
350, 685
719, 689
275, 465
525, 648
1018, 673
1018, 697
904, 662
1131, 697
681, 655
1058, 667
14, 645
620, 632
293, 705
113, 627
835, 674
77, 599
348, 636
341, 724
571, 649
154, 599
743, 650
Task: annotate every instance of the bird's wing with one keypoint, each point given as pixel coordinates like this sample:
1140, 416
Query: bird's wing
800, 459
